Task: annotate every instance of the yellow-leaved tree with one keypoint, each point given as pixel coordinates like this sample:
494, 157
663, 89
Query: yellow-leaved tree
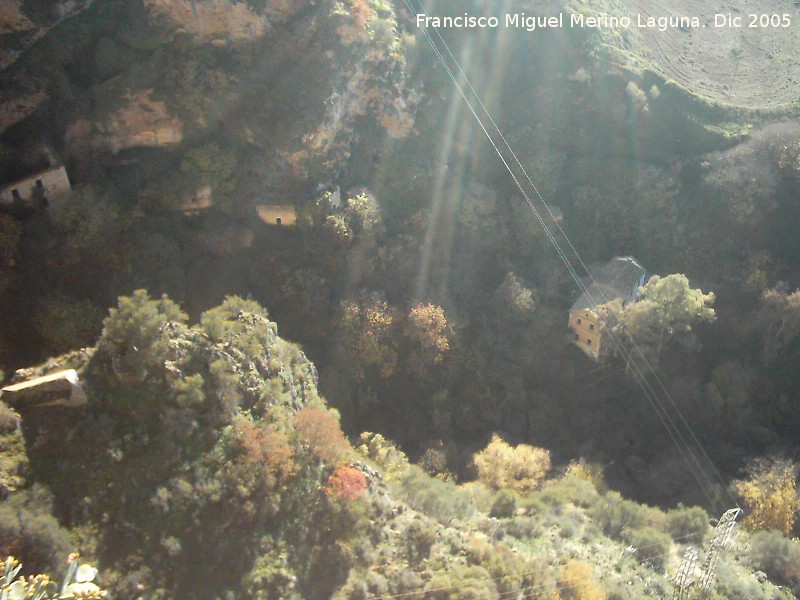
769, 495
521, 468
576, 582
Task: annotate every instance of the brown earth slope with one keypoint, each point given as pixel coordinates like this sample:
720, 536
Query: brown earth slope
753, 65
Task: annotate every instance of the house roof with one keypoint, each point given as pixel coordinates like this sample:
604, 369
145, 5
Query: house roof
615, 279
66, 381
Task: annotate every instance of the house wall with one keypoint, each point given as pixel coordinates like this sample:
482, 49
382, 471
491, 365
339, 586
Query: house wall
270, 213
586, 332
200, 200
53, 181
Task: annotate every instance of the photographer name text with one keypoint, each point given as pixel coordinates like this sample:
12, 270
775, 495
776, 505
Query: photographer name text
662, 23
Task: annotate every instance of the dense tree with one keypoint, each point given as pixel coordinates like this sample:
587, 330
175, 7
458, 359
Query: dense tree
13, 459
426, 327
769, 495
366, 327
521, 468
346, 483
66, 323
363, 213
778, 319
136, 333
213, 166
667, 310
319, 434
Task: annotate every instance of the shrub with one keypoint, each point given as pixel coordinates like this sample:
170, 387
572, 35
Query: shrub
30, 531
615, 515
420, 538
778, 557
651, 545
13, 458
439, 499
524, 528
461, 583
505, 505
66, 323
427, 329
393, 462
570, 490
319, 433
586, 471
521, 468
576, 582
363, 213
218, 321
264, 447
732, 586
688, 525
77, 582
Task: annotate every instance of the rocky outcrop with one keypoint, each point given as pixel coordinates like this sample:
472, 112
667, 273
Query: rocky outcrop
142, 121
20, 100
217, 21
20, 30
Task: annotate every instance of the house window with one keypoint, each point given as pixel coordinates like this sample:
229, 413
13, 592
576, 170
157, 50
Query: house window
577, 337
278, 221
588, 342
591, 326
579, 321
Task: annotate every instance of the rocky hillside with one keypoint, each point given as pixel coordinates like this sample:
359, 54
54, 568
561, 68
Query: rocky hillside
205, 464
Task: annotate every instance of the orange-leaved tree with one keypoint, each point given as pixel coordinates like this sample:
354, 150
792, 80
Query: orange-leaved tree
346, 483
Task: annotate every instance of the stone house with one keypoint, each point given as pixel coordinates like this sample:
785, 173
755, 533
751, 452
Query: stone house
618, 279
277, 214
62, 388
49, 183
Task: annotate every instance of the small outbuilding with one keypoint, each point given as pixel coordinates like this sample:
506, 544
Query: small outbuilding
62, 388
49, 184
277, 214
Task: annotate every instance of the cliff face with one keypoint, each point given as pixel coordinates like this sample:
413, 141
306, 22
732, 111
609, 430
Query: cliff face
216, 21
21, 26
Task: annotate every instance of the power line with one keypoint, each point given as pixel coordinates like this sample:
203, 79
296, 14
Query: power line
641, 378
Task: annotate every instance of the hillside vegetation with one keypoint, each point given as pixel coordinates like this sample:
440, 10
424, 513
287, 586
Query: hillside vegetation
423, 427
205, 464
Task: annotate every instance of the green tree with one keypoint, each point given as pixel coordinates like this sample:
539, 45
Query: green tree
211, 165
13, 458
66, 323
136, 334
666, 311
363, 213
778, 319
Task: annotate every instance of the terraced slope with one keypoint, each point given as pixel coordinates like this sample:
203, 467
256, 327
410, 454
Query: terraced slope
754, 65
